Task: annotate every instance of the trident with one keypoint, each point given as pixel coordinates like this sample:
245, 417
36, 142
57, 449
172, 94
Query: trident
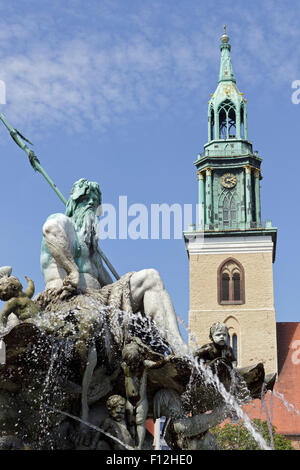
36, 165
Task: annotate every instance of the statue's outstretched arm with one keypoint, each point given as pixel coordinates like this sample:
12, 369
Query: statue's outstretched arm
204, 352
30, 288
158, 364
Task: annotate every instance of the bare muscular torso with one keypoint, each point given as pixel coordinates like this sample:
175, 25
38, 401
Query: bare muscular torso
87, 261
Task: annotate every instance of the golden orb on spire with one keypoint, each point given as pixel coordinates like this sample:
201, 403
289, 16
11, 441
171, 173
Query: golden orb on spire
224, 37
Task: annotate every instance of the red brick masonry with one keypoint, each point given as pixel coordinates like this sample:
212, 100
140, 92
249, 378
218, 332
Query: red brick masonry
287, 387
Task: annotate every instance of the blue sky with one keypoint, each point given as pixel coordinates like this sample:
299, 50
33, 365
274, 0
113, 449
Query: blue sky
116, 91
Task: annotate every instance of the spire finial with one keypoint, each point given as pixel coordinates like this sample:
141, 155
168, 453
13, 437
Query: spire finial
224, 37
226, 72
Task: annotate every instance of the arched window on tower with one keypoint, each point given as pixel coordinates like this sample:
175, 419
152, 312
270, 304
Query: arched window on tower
226, 212
235, 347
242, 122
228, 206
227, 120
233, 209
225, 286
231, 283
236, 279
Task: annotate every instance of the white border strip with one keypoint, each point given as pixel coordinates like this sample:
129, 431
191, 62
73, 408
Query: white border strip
264, 245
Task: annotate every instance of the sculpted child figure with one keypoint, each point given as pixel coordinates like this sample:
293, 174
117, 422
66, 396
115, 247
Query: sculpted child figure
116, 424
218, 348
136, 366
17, 301
218, 353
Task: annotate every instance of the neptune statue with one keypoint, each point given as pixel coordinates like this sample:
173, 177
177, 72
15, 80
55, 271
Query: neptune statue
71, 263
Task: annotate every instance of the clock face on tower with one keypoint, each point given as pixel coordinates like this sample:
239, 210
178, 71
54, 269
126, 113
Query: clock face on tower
228, 180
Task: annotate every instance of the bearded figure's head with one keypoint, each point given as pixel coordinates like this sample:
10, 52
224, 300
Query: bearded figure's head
84, 207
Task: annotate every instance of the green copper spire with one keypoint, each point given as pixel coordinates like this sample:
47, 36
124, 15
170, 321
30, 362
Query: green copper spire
228, 171
227, 109
226, 71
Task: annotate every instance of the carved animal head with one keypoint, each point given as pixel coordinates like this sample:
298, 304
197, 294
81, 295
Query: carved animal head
9, 287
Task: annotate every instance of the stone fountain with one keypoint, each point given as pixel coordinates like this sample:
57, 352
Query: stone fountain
86, 362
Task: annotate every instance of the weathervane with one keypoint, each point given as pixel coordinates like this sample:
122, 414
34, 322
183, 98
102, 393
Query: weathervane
224, 37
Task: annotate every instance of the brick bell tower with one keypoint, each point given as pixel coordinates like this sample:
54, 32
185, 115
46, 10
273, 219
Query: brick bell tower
231, 251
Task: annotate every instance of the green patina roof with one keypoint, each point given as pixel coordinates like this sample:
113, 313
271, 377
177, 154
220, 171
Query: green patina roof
227, 88
229, 210
226, 71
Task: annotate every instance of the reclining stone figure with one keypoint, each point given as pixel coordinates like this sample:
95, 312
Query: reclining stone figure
71, 263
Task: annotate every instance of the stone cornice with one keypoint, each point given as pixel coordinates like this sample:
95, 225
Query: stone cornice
248, 246
250, 241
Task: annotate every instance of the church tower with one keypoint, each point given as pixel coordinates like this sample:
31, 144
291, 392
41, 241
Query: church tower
231, 251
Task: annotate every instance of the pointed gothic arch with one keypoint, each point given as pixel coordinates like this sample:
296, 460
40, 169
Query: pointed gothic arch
242, 123
227, 119
234, 336
227, 208
231, 282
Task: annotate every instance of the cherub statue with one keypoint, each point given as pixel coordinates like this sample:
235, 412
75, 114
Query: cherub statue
17, 301
116, 424
136, 364
219, 356
218, 348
